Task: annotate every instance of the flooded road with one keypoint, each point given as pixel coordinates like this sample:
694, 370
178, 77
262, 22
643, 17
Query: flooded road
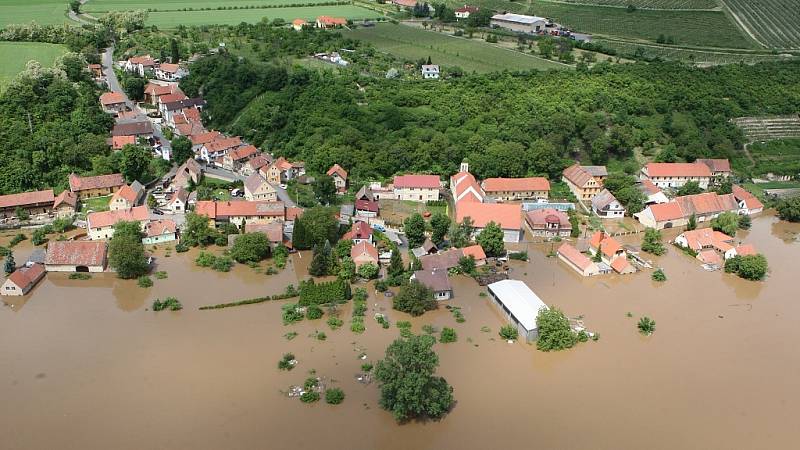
87, 365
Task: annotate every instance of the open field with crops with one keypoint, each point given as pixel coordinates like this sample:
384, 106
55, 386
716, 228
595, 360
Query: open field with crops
15, 55
652, 4
171, 19
414, 43
698, 28
781, 157
703, 57
43, 12
773, 23
177, 5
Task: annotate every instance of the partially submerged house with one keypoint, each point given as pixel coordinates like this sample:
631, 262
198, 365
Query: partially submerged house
33, 203
22, 280
437, 281
748, 203
65, 204
577, 261
75, 256
100, 225
519, 304
364, 253
611, 252
359, 232
238, 212
706, 238
159, 231
703, 207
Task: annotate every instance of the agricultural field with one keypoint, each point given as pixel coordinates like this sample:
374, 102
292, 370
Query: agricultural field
176, 5
773, 23
171, 19
15, 55
652, 4
471, 55
695, 28
767, 128
43, 12
700, 57
781, 157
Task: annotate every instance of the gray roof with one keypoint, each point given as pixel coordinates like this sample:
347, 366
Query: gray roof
518, 18
365, 193
603, 199
437, 280
346, 210
132, 129
187, 103
443, 260
37, 256
418, 252
137, 187
254, 181
596, 171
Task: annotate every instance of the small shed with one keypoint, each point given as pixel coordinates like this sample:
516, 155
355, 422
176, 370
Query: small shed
519, 304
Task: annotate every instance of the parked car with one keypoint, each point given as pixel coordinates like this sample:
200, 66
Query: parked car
283, 186
378, 227
235, 192
158, 212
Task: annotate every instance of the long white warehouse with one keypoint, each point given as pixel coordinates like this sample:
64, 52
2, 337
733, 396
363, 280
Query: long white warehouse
519, 304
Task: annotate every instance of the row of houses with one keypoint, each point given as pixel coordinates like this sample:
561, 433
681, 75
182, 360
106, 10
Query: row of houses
146, 65
703, 207
605, 255
60, 256
704, 172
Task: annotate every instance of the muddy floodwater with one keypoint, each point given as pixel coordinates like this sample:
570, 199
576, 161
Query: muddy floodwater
85, 364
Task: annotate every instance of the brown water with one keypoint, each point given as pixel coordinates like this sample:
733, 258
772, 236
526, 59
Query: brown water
87, 365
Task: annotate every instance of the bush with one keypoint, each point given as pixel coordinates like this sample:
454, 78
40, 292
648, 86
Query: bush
250, 247
222, 264
448, 335
170, 303
651, 243
145, 282
381, 286
414, 298
554, 331
313, 312
312, 293
309, 397
519, 256
80, 276
290, 313
357, 325
334, 396
509, 332
181, 248
335, 323
749, 267
658, 275
205, 259
646, 326
161, 275
368, 271
17, 239
286, 362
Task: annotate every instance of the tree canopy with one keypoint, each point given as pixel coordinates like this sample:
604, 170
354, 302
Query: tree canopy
126, 252
414, 298
314, 227
491, 239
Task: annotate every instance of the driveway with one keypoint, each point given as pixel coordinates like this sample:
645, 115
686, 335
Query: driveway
227, 175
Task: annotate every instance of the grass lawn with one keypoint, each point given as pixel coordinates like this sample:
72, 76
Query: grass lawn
95, 204
758, 188
174, 5
171, 19
470, 54
43, 12
15, 55
396, 211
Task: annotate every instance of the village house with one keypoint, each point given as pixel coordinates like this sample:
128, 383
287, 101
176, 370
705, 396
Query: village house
139, 64
139, 129
703, 207
113, 102
720, 168
675, 175
464, 186
298, 24
37, 202
359, 232
170, 109
234, 160
330, 22
548, 223
606, 206
179, 201
418, 188
519, 23
430, 71
449, 259
584, 181
75, 256
154, 90
65, 204
96, 186
507, 216
339, 176
365, 203
255, 164
748, 203
476, 253
437, 281
510, 189
170, 72
706, 238
201, 139
519, 304
127, 197
465, 11
257, 188
611, 252
427, 248
364, 253
96, 70
117, 142
159, 231
577, 261
653, 194
100, 225
22, 280
239, 212
219, 148
189, 171
281, 171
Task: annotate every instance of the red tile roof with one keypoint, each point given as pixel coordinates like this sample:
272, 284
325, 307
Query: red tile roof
160, 227
746, 249
293, 213
620, 264
717, 165
666, 211
273, 230
572, 255
243, 152
677, 170
367, 205
223, 144
145, 60
577, 175
25, 277
117, 142
469, 9
607, 244
240, 208
169, 68
540, 218
706, 237
327, 20
204, 138
127, 193
709, 256
516, 184
159, 89
650, 188
417, 181
338, 170
359, 230
364, 248
76, 253
299, 22
112, 98
26, 198
109, 218
476, 251
66, 198
77, 184
508, 216
707, 203
170, 98
750, 200
193, 115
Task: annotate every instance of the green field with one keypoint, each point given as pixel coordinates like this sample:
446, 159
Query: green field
698, 28
172, 19
15, 55
774, 23
43, 12
781, 157
652, 4
174, 5
702, 57
415, 43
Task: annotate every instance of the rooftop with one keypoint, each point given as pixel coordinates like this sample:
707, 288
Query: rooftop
77, 253
516, 184
109, 218
26, 198
520, 300
77, 183
518, 18
508, 216
437, 280
417, 181
677, 170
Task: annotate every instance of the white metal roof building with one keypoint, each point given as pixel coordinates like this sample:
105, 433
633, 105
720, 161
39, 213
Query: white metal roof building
520, 305
519, 22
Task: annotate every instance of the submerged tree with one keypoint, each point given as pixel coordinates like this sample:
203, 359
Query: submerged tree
126, 252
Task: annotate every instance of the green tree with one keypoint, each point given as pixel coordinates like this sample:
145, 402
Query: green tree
491, 239
347, 268
646, 326
10, 265
314, 227
250, 247
197, 231
414, 226
181, 149
325, 189
75, 6
343, 248
651, 242
692, 224
440, 224
175, 52
658, 275
509, 332
789, 209
574, 223
448, 335
466, 264
414, 298
554, 331
749, 267
727, 222
409, 388
368, 271
126, 251
334, 396
135, 162
22, 214
690, 188
480, 18
320, 260
461, 234
151, 201
395, 264
134, 87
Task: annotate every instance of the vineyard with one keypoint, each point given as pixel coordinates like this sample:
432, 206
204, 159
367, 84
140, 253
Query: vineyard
651, 4
700, 57
769, 128
774, 23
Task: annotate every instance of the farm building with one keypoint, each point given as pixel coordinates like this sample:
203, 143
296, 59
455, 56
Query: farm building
507, 216
75, 256
508, 189
518, 22
22, 280
519, 304
584, 181
675, 175
577, 261
606, 206
419, 188
437, 280
37, 202
97, 186
465, 11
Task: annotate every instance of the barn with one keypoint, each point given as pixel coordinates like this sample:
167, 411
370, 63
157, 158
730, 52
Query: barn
519, 304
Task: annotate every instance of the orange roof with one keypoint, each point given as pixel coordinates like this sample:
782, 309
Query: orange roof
364, 248
109, 218
77, 183
224, 143
650, 188
359, 230
417, 181
706, 237
508, 216
127, 193
204, 138
240, 208
707, 203
620, 264
607, 244
159, 227
170, 68
572, 255
160, 89
337, 169
716, 165
25, 277
293, 213
299, 22
677, 170
746, 249
26, 198
112, 98
577, 175
117, 142
476, 251
327, 20
243, 152
750, 200
76, 253
464, 185
192, 114
146, 60
67, 198
666, 211
206, 208
174, 97
516, 184
709, 256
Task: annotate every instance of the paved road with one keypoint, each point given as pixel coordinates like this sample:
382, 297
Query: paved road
227, 175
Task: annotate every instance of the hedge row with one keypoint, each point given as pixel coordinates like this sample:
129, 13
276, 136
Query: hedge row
290, 292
